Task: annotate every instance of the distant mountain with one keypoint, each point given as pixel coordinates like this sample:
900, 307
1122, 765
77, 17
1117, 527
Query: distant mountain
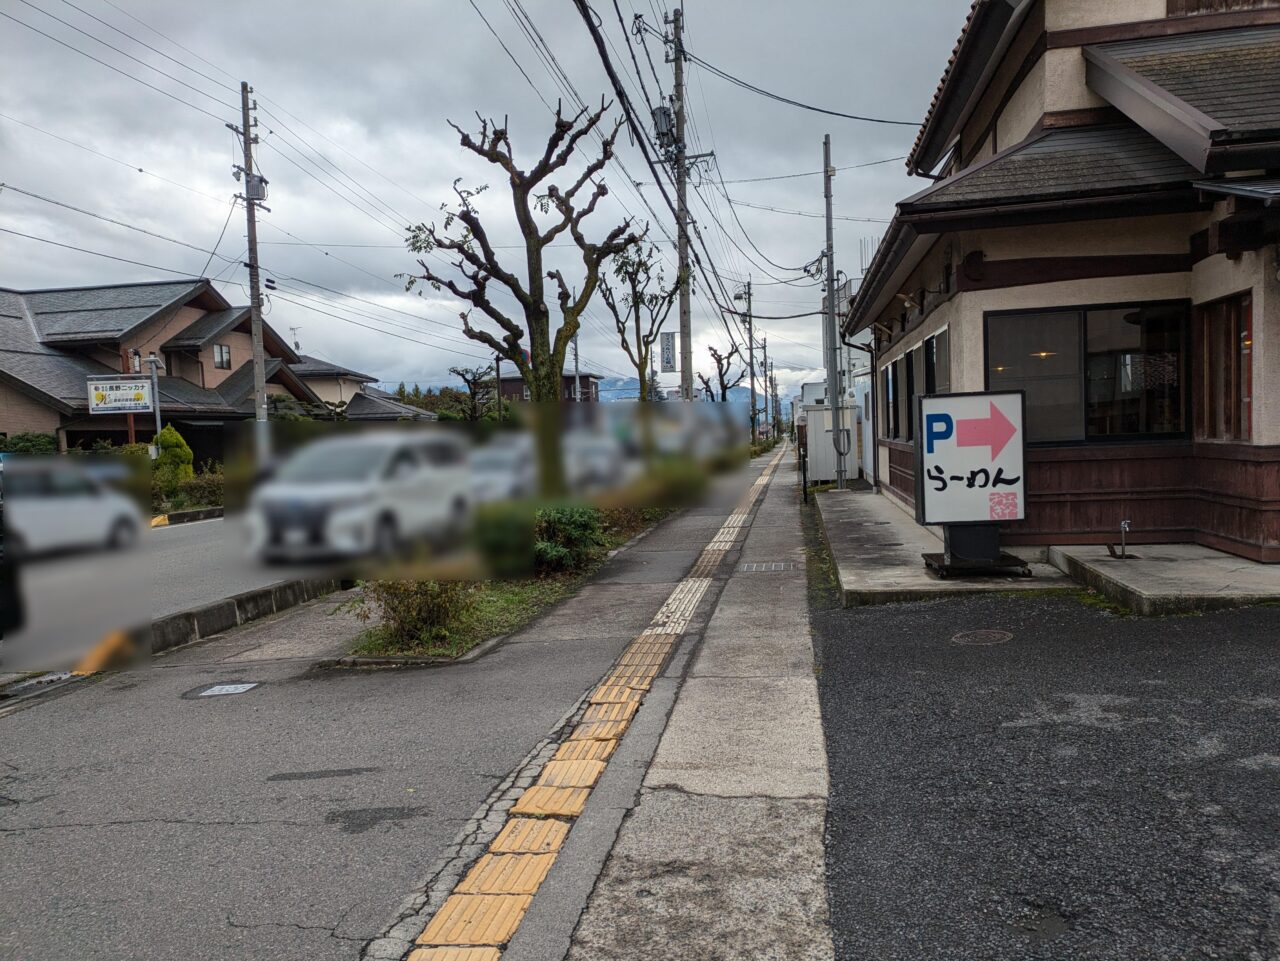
628, 388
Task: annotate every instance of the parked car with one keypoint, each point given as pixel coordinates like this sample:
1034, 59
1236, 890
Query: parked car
504, 469
361, 494
592, 461
51, 505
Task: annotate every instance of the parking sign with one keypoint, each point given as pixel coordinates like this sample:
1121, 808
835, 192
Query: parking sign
970, 459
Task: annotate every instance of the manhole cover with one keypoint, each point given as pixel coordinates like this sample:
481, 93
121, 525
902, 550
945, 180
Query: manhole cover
768, 567
218, 690
984, 638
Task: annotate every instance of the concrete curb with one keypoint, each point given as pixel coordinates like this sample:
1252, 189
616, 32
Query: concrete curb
1143, 603
185, 627
187, 517
354, 661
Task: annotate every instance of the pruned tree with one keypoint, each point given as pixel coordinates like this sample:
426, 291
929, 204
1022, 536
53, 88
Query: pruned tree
534, 198
724, 364
706, 386
479, 383
642, 309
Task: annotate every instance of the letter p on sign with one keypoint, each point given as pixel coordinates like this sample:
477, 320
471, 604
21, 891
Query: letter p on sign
937, 427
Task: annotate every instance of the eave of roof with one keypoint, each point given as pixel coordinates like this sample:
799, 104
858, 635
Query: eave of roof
987, 31
1266, 189
1135, 76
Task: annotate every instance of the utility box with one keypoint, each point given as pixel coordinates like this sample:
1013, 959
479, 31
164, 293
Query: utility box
821, 449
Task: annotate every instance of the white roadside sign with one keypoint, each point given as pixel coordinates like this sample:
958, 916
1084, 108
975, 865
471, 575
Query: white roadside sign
119, 395
970, 459
668, 351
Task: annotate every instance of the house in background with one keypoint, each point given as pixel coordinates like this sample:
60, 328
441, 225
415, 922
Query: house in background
1103, 233
52, 340
513, 388
332, 383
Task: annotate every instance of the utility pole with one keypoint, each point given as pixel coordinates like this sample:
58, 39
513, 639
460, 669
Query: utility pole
254, 193
682, 210
834, 392
751, 360
577, 380
497, 384
764, 370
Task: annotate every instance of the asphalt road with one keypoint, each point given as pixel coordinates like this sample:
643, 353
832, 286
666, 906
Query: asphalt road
1096, 787
141, 822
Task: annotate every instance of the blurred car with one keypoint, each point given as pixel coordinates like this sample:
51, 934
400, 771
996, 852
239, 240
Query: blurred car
362, 494
504, 469
592, 461
51, 505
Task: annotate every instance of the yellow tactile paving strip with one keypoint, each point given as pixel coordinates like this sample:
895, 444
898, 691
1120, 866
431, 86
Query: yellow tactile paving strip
530, 836
476, 919
507, 874
482, 914
455, 954
540, 800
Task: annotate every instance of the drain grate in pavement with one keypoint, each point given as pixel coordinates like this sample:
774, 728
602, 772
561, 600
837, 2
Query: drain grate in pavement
768, 567
983, 638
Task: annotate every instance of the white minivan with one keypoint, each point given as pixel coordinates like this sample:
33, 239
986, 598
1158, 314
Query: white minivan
52, 506
361, 494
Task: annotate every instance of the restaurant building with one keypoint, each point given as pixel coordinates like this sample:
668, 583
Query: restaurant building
1102, 231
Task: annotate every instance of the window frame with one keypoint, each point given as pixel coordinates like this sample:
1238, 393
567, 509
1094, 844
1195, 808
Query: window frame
217, 361
1082, 313
1241, 375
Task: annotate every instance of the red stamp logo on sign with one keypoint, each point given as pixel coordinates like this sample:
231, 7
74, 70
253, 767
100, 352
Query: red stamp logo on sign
1004, 506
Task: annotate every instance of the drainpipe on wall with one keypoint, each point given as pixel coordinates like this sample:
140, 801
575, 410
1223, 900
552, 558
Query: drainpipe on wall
875, 432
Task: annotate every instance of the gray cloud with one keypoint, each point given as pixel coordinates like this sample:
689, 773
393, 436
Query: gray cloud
380, 80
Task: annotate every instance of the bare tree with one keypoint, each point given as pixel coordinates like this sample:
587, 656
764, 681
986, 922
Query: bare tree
478, 382
706, 386
724, 363
532, 194
640, 312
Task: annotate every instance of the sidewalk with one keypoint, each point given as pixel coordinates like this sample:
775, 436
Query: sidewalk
721, 855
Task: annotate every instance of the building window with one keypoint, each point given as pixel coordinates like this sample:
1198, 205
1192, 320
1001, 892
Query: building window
937, 364
221, 356
913, 363
890, 421
1224, 369
1095, 374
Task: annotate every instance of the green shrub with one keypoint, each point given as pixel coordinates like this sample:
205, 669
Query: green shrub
29, 443
566, 538
205, 489
414, 612
504, 535
173, 466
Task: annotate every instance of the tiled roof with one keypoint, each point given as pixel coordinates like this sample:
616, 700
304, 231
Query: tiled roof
87, 313
315, 367
1230, 76
209, 327
946, 78
371, 406
1072, 162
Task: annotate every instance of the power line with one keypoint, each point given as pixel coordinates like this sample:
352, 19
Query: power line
111, 66
170, 40
112, 220
97, 253
746, 85
222, 233
808, 213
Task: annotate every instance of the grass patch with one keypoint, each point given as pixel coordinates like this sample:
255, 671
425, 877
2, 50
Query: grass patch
499, 607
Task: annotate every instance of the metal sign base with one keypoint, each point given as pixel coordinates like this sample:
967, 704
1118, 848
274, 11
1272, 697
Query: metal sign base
973, 549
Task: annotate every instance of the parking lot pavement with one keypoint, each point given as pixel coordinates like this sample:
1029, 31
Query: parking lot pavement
1091, 787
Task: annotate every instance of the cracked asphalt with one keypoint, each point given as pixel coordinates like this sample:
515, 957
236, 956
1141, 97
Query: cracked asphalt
291, 821
1098, 787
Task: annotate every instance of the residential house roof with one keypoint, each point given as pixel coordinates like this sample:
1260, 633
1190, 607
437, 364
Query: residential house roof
1072, 162
308, 366
208, 328
1212, 97
80, 314
372, 404
1266, 189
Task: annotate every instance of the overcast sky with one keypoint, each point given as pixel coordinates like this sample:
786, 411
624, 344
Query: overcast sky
355, 99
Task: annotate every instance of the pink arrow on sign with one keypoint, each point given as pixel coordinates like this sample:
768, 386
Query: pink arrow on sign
994, 431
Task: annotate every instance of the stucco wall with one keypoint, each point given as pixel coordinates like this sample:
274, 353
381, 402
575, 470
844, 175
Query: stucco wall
20, 413
334, 390
1023, 110
1070, 14
154, 336
241, 353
